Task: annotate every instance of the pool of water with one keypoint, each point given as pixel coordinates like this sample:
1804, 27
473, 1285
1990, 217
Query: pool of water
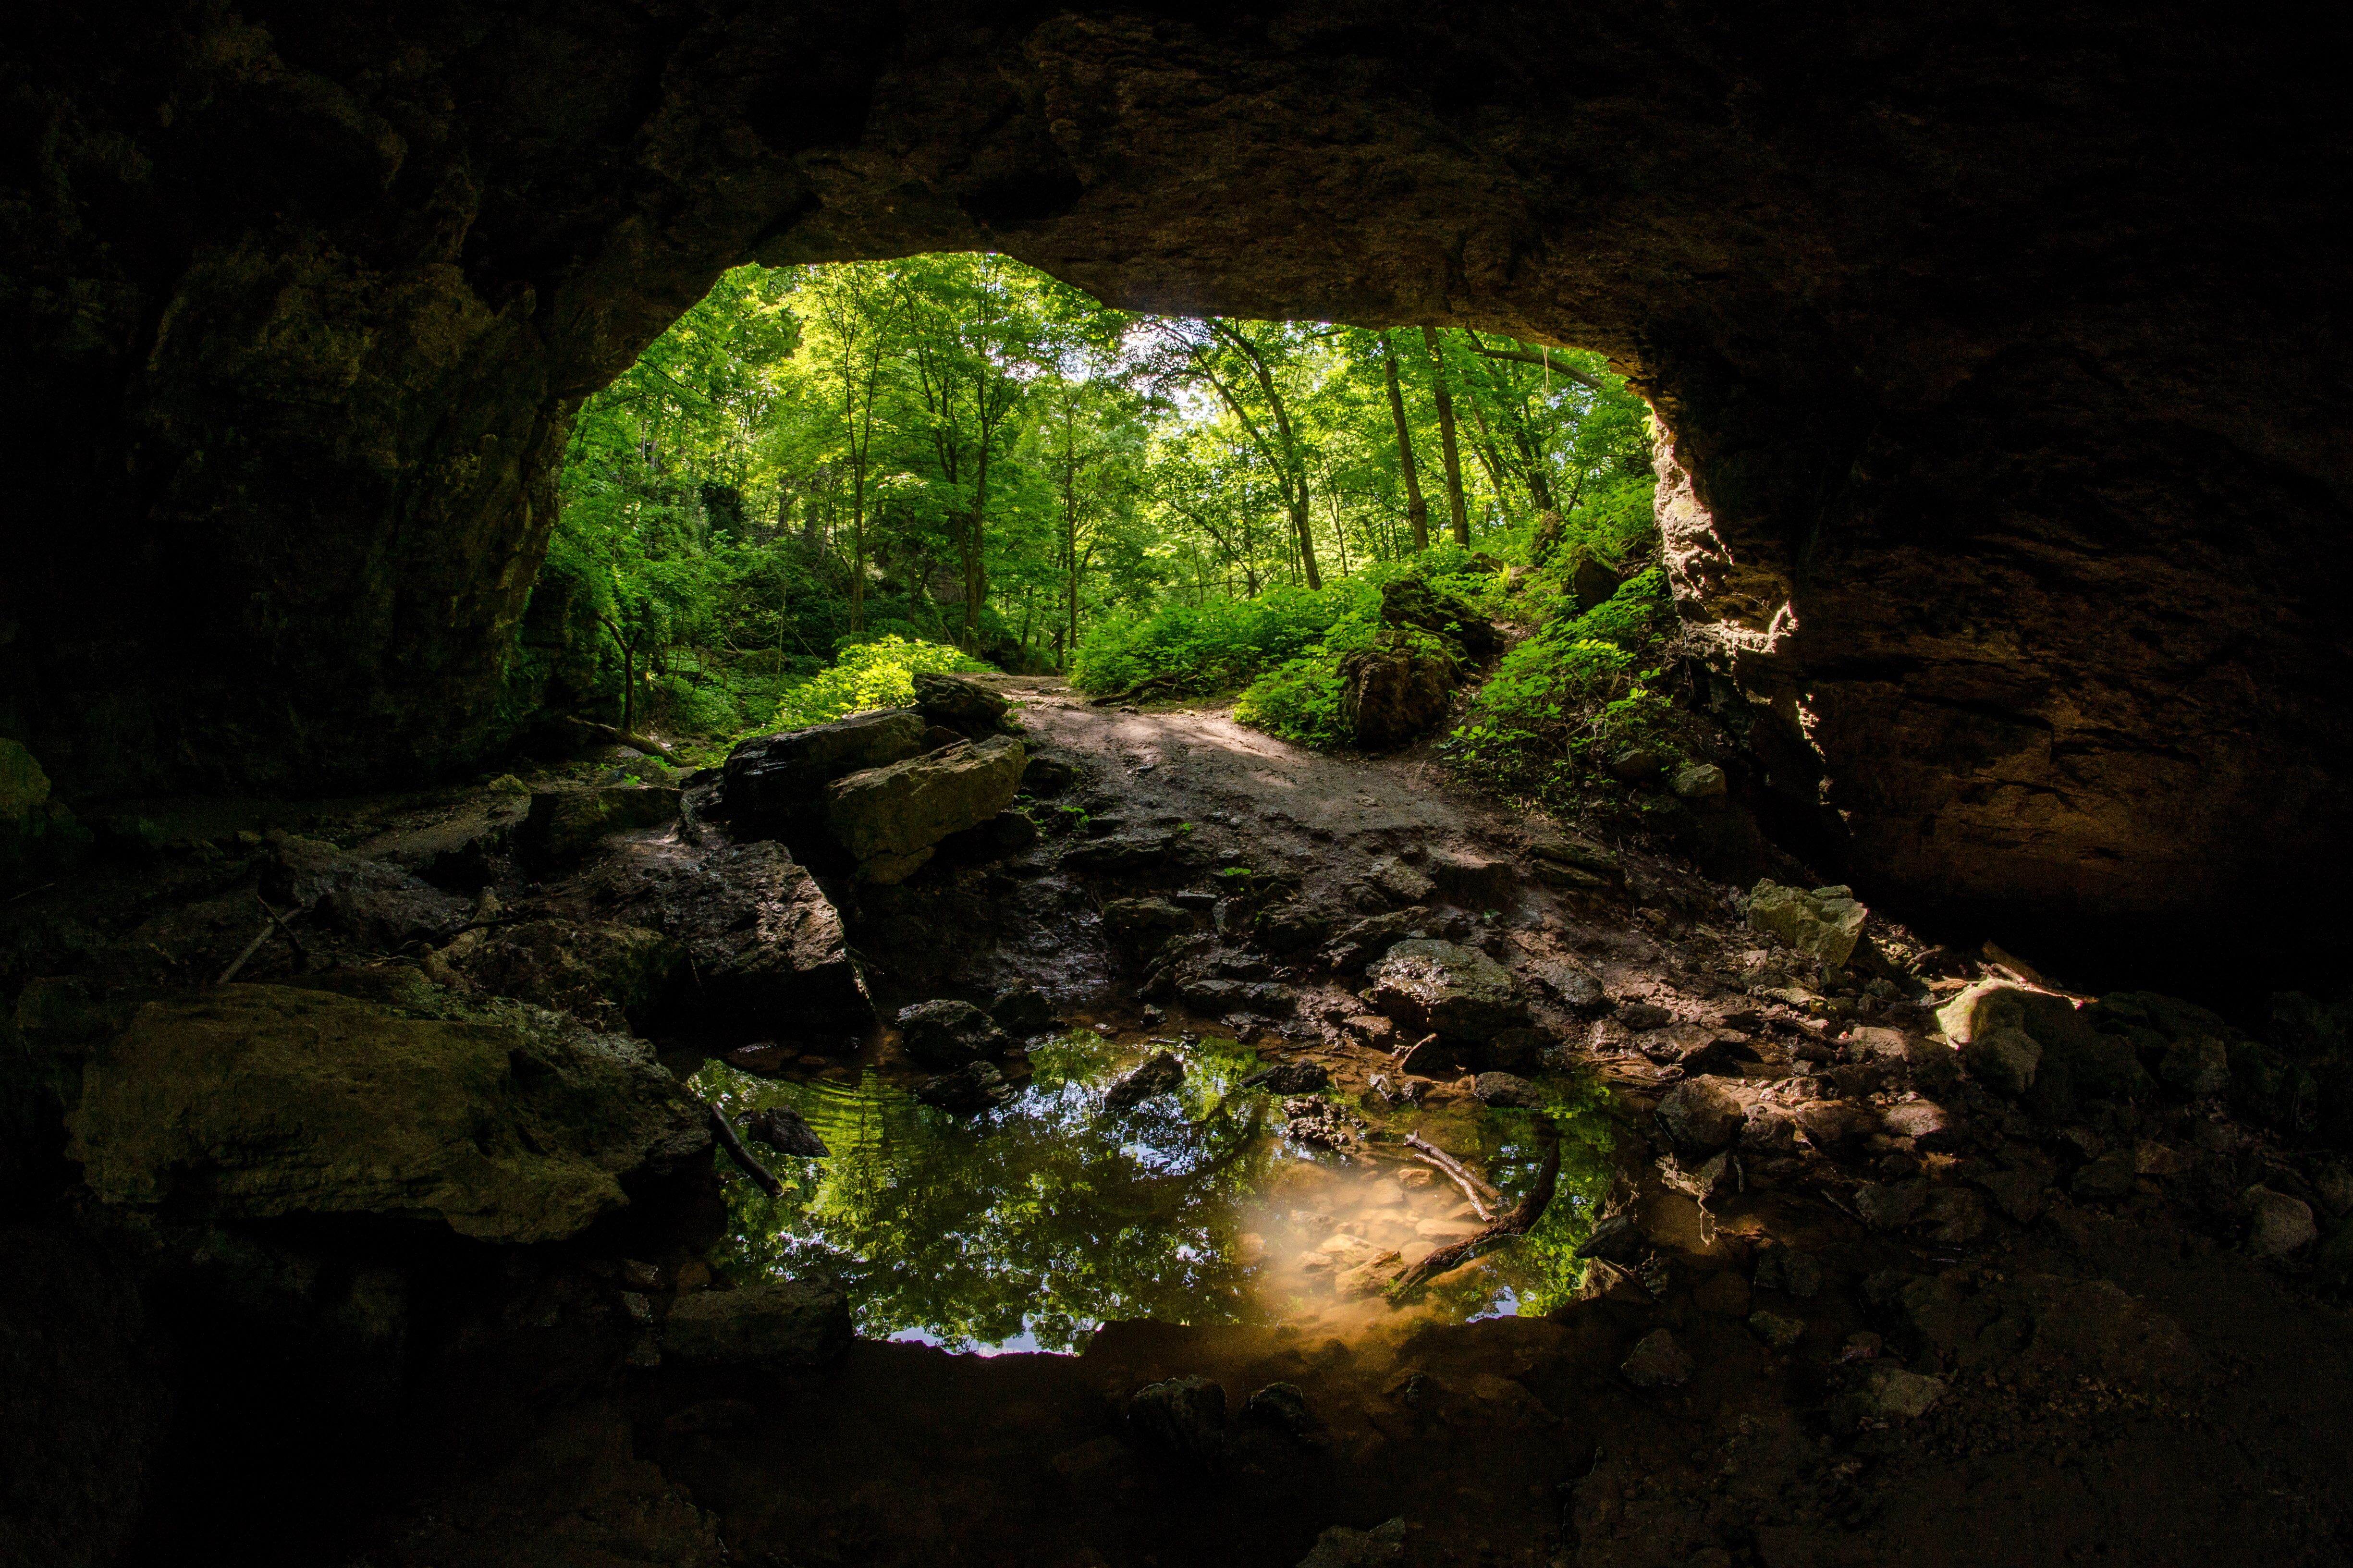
1027, 1227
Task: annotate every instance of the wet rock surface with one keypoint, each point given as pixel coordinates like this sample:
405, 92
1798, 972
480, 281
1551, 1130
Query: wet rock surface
1446, 989
2095, 1279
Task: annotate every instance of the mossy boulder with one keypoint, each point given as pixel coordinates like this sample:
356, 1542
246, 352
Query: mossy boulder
258, 1102
1441, 987
891, 819
1411, 603
773, 785
1824, 923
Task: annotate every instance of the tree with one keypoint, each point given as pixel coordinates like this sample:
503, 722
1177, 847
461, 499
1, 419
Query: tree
1446, 442
1417, 509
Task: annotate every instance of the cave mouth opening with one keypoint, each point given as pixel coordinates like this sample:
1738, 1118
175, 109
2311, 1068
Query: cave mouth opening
958, 449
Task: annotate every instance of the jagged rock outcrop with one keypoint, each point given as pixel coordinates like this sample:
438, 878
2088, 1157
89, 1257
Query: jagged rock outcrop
2000, 465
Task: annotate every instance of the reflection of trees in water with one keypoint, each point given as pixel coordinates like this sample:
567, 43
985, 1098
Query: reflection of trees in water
1050, 1215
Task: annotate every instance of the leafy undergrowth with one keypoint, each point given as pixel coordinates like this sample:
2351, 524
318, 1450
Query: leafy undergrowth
1569, 701
869, 675
1283, 650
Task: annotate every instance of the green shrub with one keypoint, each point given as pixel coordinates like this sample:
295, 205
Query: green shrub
1218, 646
1573, 696
869, 675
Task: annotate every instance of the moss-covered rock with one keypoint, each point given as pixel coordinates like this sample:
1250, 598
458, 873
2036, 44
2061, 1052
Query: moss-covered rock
1446, 989
891, 819
262, 1101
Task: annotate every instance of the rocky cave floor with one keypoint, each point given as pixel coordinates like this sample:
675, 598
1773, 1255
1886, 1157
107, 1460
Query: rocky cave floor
1847, 1303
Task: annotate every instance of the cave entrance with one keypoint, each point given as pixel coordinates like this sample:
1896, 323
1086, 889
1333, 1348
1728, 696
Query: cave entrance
821, 475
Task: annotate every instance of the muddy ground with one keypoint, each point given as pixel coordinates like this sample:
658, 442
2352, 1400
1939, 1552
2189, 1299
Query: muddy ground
2118, 1379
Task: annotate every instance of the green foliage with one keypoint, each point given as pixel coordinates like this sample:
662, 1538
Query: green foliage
878, 674
1565, 700
957, 450
1223, 643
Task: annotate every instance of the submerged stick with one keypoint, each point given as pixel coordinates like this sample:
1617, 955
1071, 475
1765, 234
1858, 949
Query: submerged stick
284, 930
1480, 1192
251, 949
733, 1143
1519, 1222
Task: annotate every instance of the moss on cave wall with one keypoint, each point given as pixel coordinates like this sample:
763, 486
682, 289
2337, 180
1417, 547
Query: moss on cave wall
2012, 460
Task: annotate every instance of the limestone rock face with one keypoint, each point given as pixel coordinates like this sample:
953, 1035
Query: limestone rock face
765, 946
773, 785
1456, 992
264, 1101
1824, 923
1394, 691
891, 818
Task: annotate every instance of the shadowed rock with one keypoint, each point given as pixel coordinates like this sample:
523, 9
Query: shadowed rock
1452, 991
785, 1323
265, 1102
773, 785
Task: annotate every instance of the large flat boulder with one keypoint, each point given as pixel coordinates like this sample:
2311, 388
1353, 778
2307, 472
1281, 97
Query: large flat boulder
1449, 990
263, 1101
376, 904
891, 819
766, 951
773, 786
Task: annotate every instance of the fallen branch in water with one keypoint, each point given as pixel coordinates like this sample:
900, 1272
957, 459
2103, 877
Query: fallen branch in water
275, 923
733, 1143
1481, 1192
1519, 1222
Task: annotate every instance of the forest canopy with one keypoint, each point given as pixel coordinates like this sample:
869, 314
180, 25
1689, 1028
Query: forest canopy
957, 454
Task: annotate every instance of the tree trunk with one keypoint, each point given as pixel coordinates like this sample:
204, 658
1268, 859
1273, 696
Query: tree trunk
975, 570
1417, 509
1446, 444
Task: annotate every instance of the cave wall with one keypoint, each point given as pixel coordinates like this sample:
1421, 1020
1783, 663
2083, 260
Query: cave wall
1996, 344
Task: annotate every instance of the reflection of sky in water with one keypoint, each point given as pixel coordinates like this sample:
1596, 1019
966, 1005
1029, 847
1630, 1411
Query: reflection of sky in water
1027, 1227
